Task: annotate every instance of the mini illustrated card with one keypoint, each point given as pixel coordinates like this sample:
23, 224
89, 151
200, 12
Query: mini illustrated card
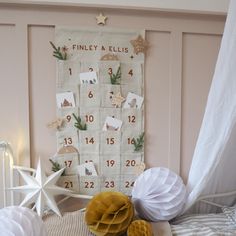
88, 77
65, 100
112, 124
133, 101
87, 169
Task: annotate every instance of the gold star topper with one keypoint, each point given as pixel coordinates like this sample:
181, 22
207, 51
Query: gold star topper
139, 44
101, 19
117, 100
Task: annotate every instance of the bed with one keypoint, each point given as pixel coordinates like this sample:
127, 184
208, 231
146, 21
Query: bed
204, 224
72, 223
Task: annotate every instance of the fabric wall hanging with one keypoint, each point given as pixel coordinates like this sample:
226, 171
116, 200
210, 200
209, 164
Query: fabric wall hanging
100, 94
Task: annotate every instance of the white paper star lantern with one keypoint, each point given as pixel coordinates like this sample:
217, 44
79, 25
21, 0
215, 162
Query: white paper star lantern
41, 190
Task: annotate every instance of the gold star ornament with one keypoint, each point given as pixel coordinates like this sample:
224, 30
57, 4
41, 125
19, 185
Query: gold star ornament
101, 19
139, 44
117, 100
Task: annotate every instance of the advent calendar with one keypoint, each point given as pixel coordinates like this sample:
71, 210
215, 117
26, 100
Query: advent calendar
100, 89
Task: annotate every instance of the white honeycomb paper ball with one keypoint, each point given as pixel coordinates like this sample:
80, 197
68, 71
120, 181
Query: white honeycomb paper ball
20, 221
158, 194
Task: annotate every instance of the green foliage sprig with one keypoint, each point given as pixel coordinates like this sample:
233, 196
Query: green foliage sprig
115, 78
56, 166
57, 52
139, 143
78, 124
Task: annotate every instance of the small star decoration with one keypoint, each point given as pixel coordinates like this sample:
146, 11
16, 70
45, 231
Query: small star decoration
139, 44
139, 168
56, 124
117, 100
64, 48
101, 19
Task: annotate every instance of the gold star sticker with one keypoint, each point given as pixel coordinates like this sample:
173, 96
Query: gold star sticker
139, 168
117, 100
101, 19
139, 44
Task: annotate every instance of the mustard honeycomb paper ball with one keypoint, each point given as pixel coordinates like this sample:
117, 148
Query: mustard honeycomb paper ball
140, 228
109, 214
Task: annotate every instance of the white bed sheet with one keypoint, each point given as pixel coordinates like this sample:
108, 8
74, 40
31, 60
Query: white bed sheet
204, 224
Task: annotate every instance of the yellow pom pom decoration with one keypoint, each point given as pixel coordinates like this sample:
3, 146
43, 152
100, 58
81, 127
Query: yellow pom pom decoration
140, 228
109, 214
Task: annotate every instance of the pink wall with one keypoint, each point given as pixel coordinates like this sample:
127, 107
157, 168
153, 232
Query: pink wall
179, 68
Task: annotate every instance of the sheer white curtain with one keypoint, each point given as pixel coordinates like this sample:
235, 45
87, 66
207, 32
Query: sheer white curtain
213, 168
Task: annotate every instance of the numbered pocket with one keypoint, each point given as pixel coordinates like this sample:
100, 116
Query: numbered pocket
110, 142
68, 160
89, 95
110, 183
131, 73
108, 69
89, 185
110, 164
67, 116
108, 91
87, 66
70, 182
129, 163
91, 117
127, 184
132, 120
68, 73
67, 137
127, 141
89, 142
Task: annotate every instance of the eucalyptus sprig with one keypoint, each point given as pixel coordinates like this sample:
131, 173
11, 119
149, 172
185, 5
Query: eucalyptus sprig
139, 143
78, 124
115, 78
56, 166
58, 53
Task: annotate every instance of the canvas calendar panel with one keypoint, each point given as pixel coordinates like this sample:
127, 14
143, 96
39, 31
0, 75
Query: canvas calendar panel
100, 99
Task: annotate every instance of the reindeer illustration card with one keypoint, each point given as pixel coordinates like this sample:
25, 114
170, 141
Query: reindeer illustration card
112, 124
133, 101
65, 100
88, 77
